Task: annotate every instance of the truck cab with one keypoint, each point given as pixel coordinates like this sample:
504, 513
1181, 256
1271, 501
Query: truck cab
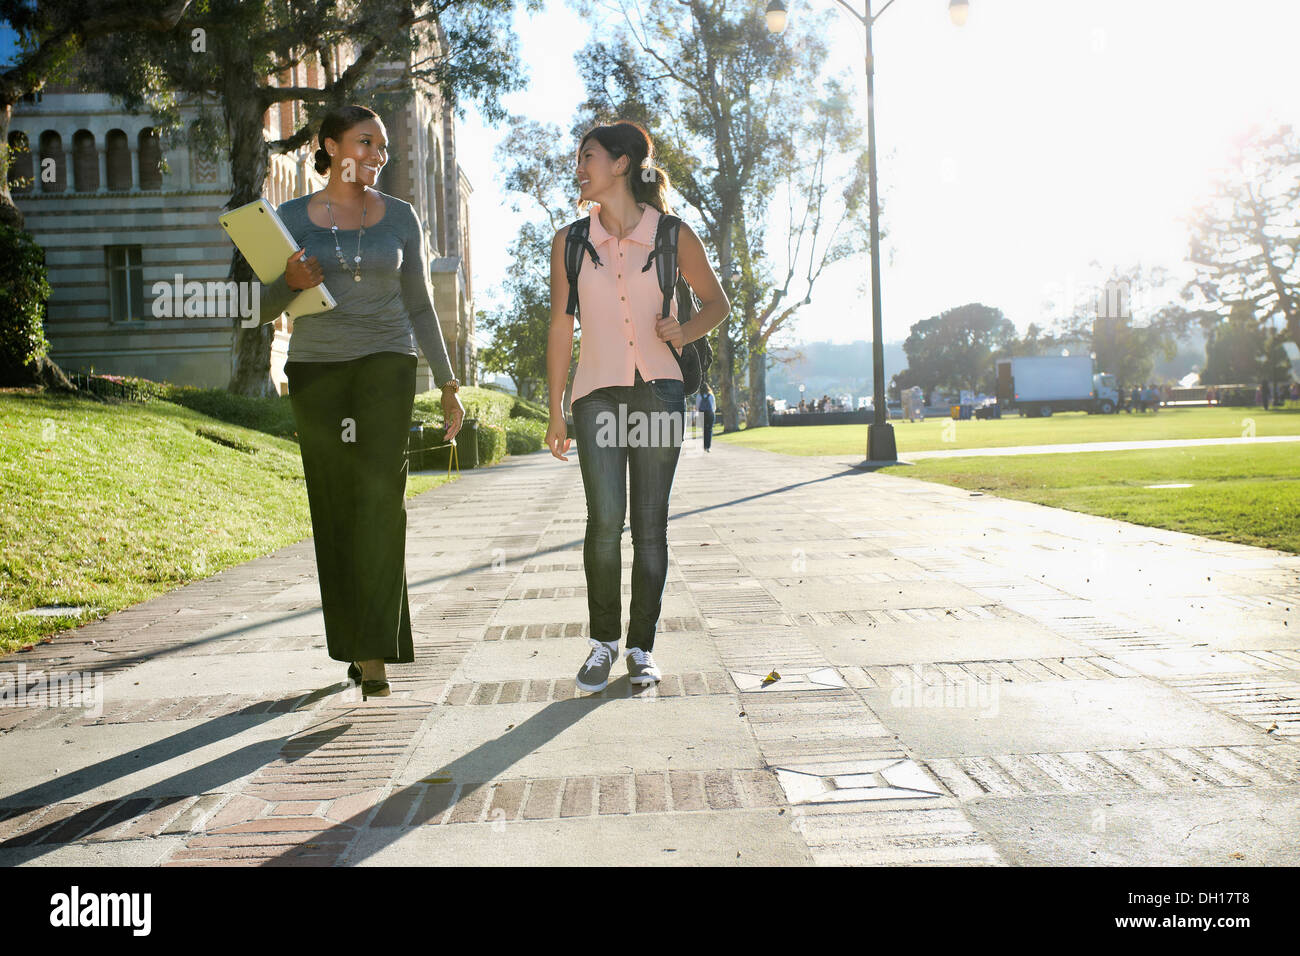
1105, 393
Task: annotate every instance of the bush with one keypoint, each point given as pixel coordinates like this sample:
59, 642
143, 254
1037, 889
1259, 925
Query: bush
272, 416
523, 408
491, 444
525, 435
23, 291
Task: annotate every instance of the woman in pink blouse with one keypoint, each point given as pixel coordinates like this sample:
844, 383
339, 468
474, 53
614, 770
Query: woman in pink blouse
628, 401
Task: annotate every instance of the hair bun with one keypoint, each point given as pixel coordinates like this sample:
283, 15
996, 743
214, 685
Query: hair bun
322, 160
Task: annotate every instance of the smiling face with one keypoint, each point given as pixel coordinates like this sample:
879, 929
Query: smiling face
361, 153
599, 173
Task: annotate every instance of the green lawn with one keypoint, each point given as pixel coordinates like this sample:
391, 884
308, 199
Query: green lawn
931, 434
110, 504
1250, 495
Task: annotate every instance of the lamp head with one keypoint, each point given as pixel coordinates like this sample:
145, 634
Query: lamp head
776, 16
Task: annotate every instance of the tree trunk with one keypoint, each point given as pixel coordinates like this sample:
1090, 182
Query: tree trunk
251, 348
757, 382
728, 409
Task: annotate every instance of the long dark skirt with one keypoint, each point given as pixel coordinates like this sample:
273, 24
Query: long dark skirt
353, 423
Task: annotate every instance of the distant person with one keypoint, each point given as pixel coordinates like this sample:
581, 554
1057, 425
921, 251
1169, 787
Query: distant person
707, 406
771, 409
802, 407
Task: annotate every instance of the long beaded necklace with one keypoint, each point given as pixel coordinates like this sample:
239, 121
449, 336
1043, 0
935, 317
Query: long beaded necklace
338, 250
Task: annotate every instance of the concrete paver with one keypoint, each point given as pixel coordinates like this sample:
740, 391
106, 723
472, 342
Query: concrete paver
965, 680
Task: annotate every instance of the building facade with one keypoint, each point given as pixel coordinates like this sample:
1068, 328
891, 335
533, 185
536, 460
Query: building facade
118, 210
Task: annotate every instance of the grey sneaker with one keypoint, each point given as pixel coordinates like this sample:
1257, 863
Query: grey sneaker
594, 676
641, 667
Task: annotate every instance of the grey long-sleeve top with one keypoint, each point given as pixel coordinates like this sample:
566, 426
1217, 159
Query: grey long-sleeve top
389, 310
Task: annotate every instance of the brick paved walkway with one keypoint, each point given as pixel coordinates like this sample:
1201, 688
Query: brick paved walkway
963, 680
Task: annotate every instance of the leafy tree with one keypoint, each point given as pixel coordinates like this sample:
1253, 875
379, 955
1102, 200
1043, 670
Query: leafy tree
726, 103
539, 176
954, 350
1238, 351
1245, 237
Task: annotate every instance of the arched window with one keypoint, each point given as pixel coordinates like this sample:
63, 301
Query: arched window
118, 159
53, 177
21, 166
150, 152
85, 162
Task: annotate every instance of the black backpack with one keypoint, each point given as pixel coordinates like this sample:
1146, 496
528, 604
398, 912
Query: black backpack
694, 360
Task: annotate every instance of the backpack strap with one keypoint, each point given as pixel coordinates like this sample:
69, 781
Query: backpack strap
576, 240
664, 257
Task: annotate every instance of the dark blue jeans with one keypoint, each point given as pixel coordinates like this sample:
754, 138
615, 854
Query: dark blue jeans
626, 430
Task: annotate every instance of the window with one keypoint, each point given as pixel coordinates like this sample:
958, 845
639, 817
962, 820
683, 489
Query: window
85, 162
118, 160
150, 154
54, 170
125, 283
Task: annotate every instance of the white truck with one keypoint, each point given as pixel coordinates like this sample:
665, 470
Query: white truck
1041, 384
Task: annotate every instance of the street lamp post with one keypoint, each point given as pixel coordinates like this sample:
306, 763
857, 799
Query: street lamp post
880, 434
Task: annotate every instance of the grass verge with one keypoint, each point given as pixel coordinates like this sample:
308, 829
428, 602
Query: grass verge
1250, 495
107, 504
941, 434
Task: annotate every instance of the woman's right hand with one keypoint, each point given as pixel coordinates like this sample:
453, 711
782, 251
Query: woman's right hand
557, 439
300, 273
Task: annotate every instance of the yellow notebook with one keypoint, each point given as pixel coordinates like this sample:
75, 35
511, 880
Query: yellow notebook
264, 241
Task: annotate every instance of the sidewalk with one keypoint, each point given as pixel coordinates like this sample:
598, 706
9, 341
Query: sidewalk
1086, 446
963, 680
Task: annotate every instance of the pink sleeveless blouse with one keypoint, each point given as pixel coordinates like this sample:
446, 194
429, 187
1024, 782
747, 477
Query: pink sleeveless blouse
617, 306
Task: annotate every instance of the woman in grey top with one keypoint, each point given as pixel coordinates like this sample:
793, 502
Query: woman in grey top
351, 374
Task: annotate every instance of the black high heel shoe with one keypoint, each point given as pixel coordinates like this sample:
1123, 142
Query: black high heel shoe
374, 688
354, 673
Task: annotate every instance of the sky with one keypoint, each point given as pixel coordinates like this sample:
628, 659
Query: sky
1013, 151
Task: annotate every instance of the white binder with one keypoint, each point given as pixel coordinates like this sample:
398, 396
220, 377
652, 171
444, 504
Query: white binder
265, 242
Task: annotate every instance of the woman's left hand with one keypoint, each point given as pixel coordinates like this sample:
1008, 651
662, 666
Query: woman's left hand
454, 412
670, 330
